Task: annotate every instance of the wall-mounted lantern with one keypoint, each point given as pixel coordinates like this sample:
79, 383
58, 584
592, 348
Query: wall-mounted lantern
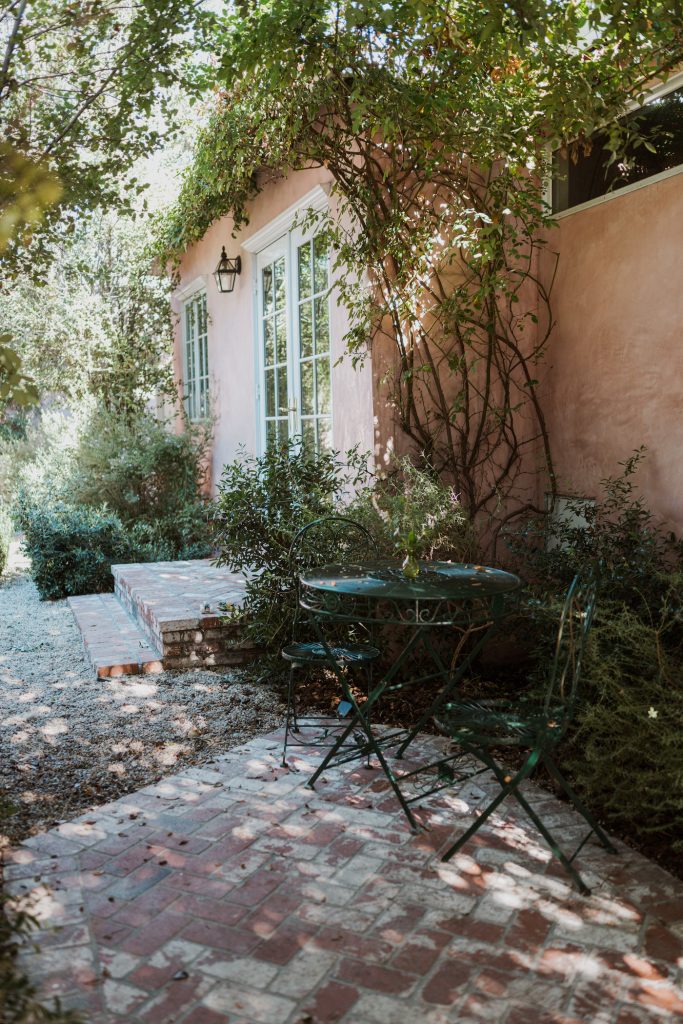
226, 272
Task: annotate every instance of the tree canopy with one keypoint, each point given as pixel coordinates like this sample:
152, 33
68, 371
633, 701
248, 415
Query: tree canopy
80, 86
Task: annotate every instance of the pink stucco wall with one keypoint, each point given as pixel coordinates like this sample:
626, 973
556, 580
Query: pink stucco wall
231, 333
615, 364
614, 369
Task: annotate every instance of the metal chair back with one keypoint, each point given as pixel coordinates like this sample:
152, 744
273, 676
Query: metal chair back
575, 623
331, 540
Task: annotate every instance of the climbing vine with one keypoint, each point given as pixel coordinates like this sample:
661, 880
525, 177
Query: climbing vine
436, 122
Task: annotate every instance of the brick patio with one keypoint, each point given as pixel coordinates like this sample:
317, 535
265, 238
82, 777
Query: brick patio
232, 893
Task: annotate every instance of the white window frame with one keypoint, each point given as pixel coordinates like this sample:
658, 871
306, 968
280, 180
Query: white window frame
656, 92
196, 398
283, 235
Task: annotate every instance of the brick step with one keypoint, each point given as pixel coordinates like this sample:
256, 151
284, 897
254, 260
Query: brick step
114, 643
168, 601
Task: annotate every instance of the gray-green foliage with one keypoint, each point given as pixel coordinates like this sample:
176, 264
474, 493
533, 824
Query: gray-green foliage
79, 86
411, 512
111, 490
148, 474
626, 754
98, 322
262, 503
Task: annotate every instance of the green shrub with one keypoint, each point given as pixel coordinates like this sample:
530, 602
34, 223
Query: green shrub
262, 503
625, 753
6, 531
111, 491
72, 549
635, 555
150, 477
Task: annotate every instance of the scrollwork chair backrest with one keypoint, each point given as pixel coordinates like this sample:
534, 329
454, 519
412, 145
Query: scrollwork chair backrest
575, 623
331, 540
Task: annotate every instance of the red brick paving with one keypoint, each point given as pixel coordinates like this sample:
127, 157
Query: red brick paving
233, 895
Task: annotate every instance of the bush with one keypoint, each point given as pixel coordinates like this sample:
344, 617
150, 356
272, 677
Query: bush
624, 752
72, 549
6, 531
120, 491
262, 503
634, 554
150, 477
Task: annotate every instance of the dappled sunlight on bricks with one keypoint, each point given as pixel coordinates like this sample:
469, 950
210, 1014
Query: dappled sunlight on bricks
233, 893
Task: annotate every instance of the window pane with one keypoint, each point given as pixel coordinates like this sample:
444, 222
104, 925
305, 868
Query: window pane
307, 389
322, 325
267, 281
203, 398
271, 432
279, 283
308, 434
591, 175
320, 262
322, 373
269, 342
282, 402
325, 433
280, 338
306, 328
283, 430
304, 270
270, 392
203, 357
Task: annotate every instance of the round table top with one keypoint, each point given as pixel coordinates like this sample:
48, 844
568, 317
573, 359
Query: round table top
436, 581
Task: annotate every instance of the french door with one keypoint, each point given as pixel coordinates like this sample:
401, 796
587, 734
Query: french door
294, 395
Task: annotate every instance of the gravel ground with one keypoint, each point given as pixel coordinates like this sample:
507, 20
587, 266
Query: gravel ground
68, 740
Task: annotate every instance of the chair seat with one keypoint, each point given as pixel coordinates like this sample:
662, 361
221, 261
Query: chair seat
314, 651
489, 723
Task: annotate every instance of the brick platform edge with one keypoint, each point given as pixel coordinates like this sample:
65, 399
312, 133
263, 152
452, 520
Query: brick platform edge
155, 620
232, 894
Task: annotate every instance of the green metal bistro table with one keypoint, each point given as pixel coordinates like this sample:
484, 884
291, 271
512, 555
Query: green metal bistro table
467, 600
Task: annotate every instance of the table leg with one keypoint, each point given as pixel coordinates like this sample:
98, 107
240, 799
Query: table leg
452, 680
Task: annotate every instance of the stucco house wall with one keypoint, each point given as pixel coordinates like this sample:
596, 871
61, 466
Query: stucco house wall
232, 332
614, 368
614, 376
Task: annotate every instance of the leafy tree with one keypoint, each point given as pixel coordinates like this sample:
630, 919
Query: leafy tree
436, 121
79, 86
100, 322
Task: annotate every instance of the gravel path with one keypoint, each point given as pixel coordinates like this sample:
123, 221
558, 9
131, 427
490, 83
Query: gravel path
68, 740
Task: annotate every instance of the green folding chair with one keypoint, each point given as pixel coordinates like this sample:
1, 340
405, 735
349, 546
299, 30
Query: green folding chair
332, 539
535, 725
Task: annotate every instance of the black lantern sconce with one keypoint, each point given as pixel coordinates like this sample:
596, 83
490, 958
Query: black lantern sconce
226, 272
